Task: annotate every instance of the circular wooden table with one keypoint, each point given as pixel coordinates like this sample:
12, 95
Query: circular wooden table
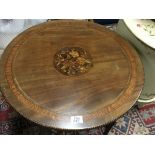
71, 74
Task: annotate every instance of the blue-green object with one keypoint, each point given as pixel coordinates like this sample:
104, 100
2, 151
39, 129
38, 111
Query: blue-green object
106, 21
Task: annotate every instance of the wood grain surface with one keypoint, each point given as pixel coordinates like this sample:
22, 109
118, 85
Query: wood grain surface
38, 91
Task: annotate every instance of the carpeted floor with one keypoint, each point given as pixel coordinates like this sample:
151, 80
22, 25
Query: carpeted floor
137, 121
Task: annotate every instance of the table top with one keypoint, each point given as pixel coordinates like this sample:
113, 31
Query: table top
143, 29
70, 74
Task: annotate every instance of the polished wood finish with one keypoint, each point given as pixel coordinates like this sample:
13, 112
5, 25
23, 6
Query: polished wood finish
38, 91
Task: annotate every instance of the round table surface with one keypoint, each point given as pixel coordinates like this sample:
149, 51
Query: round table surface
143, 29
70, 74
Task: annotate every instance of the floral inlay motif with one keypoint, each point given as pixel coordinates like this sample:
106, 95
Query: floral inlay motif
72, 61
